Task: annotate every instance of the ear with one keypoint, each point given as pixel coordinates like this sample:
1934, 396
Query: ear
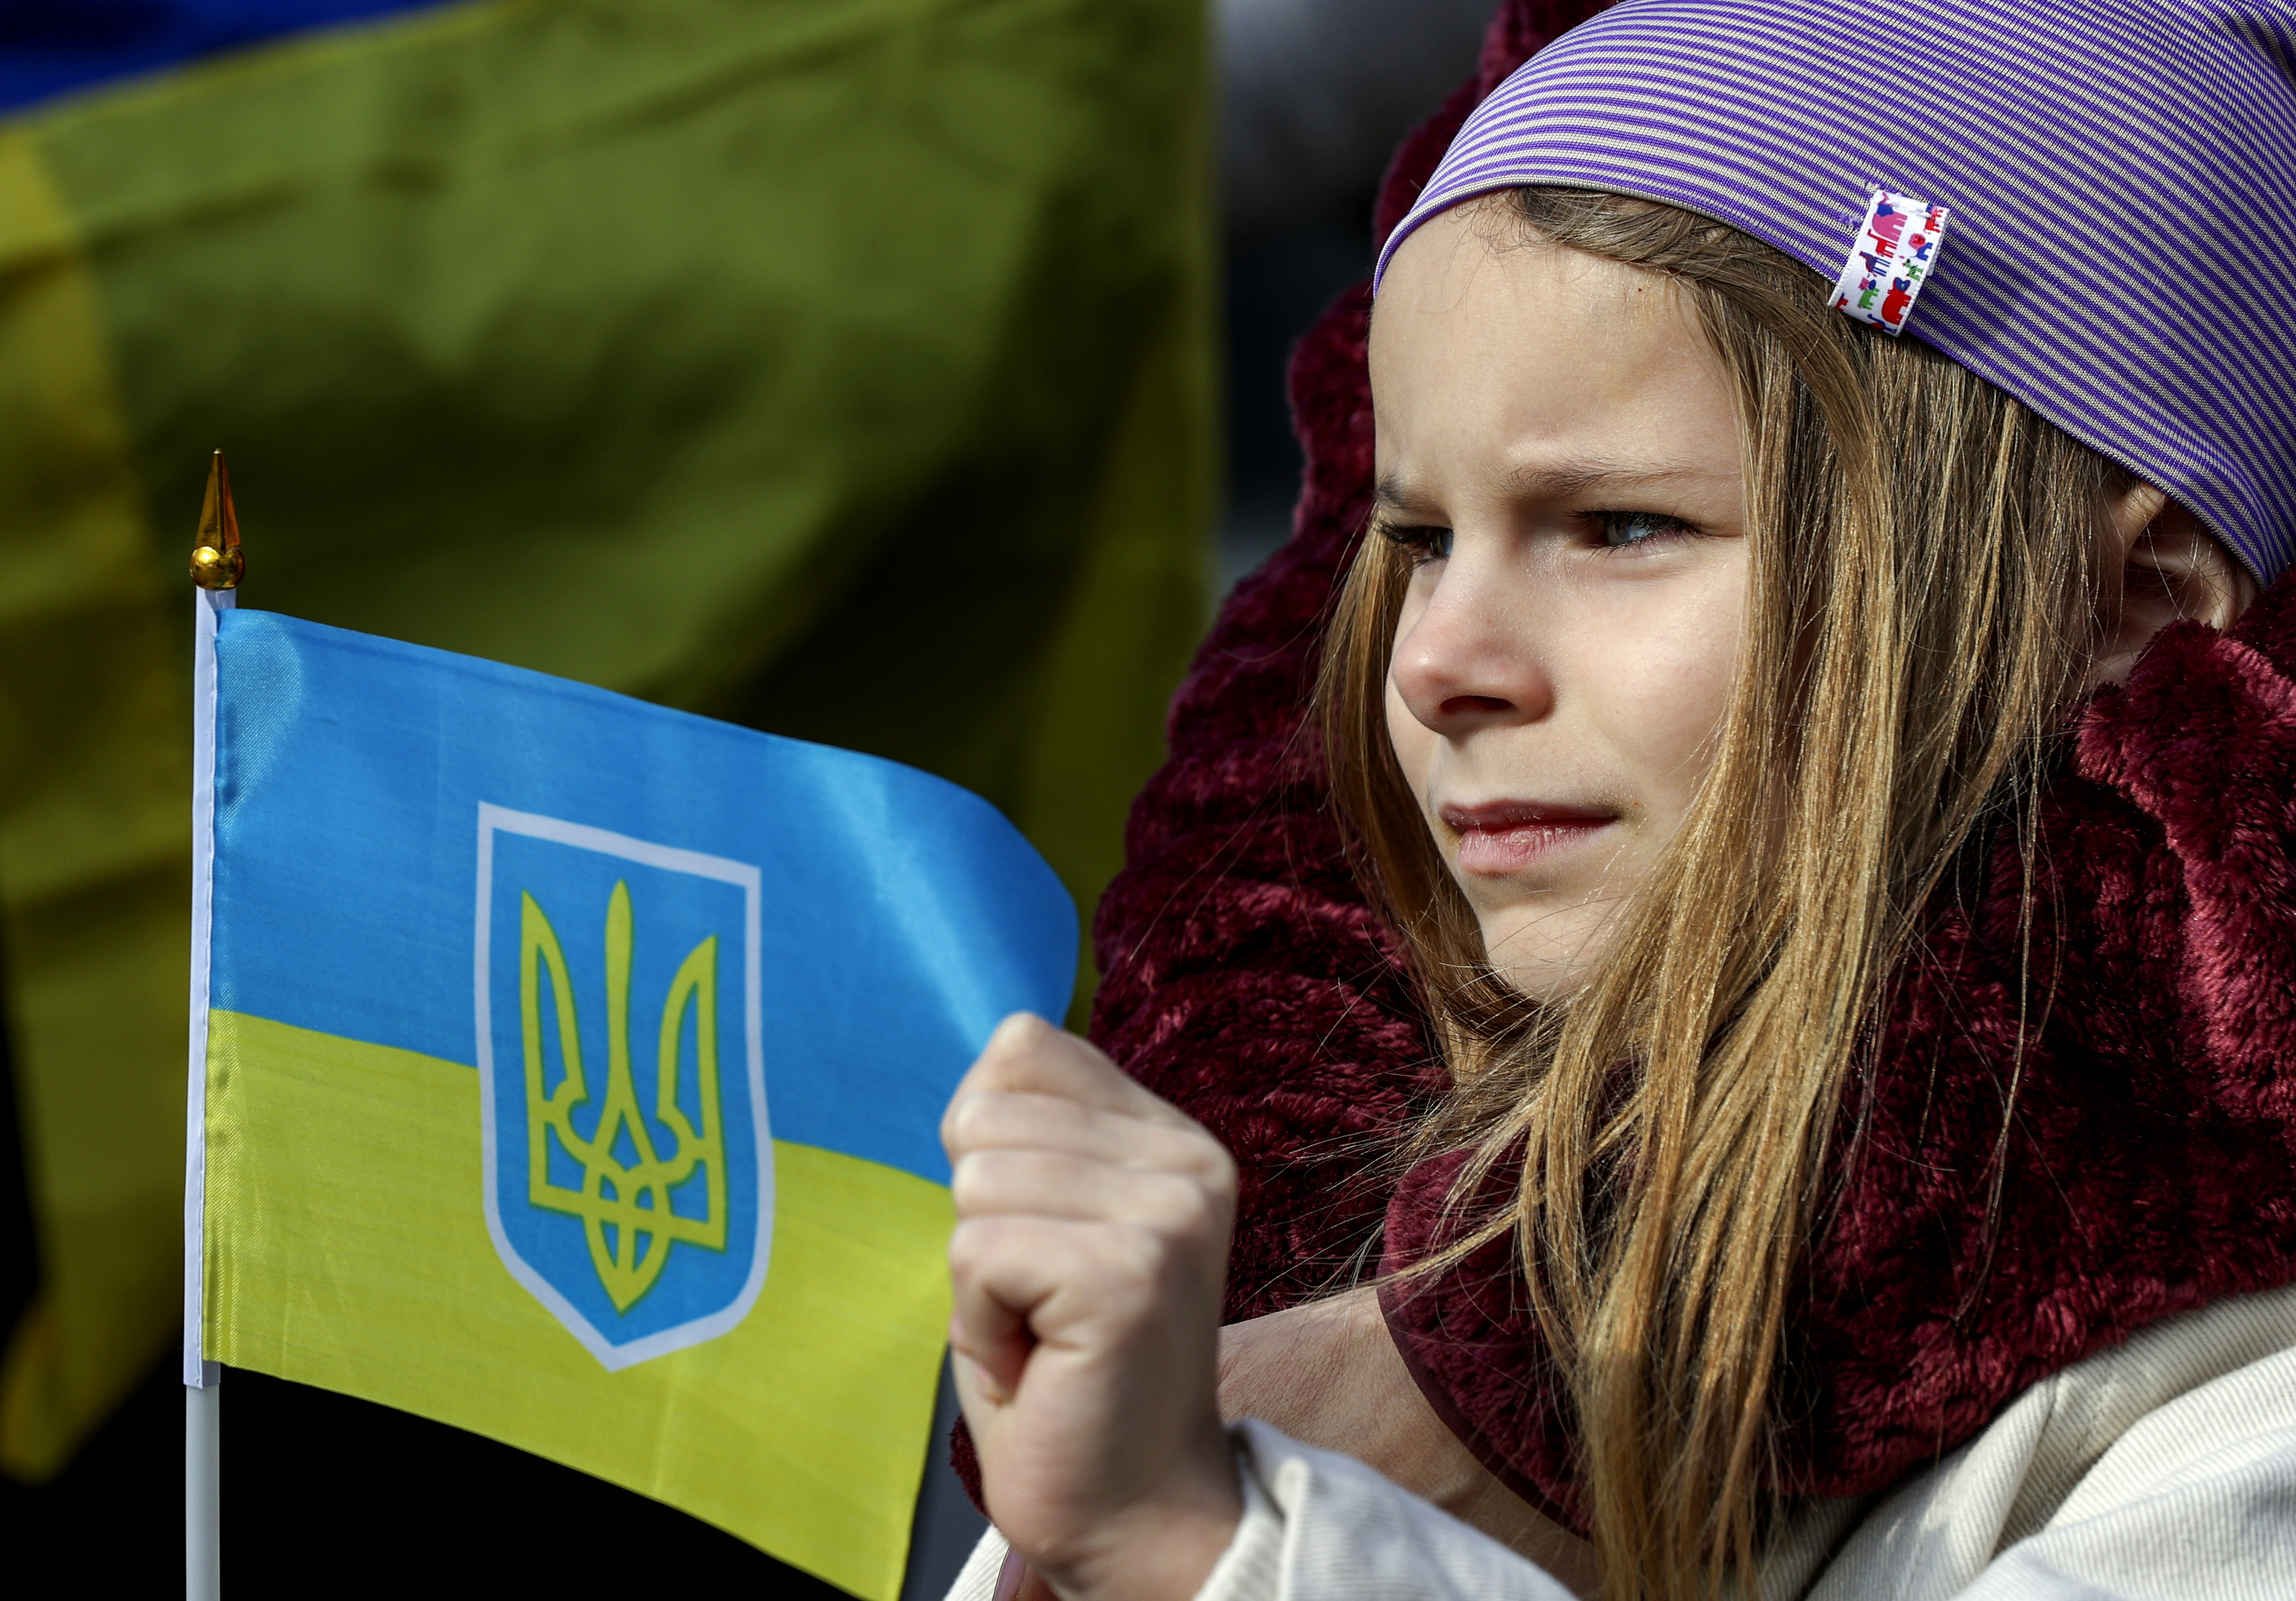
2157, 565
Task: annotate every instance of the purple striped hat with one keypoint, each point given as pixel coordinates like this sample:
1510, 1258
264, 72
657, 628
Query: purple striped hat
2118, 179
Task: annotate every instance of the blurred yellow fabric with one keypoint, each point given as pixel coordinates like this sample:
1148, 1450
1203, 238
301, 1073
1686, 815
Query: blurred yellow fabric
94, 842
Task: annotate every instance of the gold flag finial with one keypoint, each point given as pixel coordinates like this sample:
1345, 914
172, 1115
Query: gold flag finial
215, 561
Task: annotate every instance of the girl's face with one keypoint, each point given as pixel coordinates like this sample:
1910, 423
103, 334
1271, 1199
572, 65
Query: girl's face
1556, 443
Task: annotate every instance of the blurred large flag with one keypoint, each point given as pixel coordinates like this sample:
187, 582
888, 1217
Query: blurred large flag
574, 1068
836, 366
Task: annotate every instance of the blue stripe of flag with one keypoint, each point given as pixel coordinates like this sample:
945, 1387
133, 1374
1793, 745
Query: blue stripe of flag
52, 47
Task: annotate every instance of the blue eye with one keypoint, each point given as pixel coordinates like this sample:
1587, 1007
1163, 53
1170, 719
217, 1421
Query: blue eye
1621, 528
1424, 544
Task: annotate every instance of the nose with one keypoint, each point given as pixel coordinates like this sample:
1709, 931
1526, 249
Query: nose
1469, 656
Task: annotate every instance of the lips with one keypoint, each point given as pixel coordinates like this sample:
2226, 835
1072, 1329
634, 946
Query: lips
1505, 836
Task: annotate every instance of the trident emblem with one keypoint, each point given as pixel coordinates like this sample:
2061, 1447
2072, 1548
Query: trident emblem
623, 1201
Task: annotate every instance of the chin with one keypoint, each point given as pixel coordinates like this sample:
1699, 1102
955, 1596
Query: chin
1542, 950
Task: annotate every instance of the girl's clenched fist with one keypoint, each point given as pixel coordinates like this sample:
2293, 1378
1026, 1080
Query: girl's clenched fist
1091, 1243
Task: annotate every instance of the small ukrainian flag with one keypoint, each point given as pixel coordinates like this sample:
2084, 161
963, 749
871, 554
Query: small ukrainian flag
568, 1069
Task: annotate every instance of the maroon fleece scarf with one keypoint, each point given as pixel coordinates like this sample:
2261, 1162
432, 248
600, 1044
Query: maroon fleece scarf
2150, 1165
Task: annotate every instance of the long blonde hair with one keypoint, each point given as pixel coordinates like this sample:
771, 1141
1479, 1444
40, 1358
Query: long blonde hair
1920, 617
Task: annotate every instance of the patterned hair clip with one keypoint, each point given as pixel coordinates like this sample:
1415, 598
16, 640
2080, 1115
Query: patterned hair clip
1895, 251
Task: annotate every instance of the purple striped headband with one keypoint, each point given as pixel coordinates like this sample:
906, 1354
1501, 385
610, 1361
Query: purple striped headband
2118, 178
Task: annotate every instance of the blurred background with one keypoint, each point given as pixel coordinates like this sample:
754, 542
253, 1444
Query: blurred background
906, 374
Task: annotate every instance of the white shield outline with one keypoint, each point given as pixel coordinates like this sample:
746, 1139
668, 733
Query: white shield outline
494, 819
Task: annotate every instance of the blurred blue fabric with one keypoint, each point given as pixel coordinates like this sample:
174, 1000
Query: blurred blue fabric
50, 47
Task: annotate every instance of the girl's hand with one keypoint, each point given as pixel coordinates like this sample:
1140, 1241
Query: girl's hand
1091, 1243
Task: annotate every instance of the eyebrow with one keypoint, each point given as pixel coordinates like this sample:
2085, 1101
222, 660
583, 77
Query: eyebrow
1553, 483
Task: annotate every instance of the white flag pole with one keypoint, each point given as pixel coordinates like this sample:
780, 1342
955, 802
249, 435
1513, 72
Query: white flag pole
216, 565
202, 1502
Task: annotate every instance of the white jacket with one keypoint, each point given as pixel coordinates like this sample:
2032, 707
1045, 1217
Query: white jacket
2161, 1470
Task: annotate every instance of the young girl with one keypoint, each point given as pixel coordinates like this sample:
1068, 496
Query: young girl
1866, 1164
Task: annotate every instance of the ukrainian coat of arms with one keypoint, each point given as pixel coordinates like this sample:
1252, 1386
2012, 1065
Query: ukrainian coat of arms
629, 1162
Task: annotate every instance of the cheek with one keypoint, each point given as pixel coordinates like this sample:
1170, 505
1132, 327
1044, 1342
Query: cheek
1414, 744
1663, 700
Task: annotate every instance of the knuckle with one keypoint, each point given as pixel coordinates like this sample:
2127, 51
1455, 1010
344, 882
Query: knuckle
983, 1247
1224, 1167
1213, 1165
964, 1117
1012, 1050
1142, 1256
962, 1126
993, 1180
1128, 1246
970, 1246
991, 1118
1180, 1205
1015, 1033
965, 1183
